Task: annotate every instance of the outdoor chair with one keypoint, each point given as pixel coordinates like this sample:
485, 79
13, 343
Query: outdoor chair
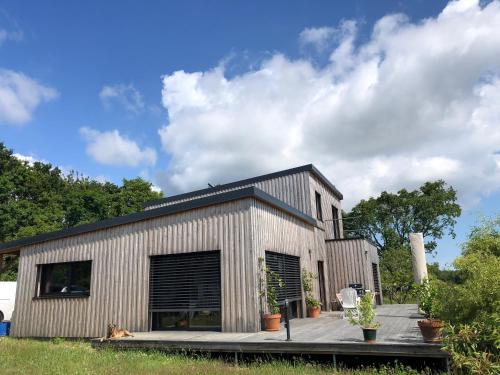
348, 299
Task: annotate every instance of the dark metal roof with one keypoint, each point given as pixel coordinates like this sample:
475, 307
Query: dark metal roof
305, 168
249, 192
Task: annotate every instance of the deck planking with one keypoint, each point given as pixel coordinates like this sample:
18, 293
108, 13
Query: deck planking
329, 334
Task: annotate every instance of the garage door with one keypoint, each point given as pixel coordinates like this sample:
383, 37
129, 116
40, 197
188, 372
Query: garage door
185, 291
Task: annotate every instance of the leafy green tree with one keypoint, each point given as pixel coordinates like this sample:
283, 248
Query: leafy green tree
397, 275
448, 275
389, 219
38, 198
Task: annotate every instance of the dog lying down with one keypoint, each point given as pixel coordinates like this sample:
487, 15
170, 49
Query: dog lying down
115, 333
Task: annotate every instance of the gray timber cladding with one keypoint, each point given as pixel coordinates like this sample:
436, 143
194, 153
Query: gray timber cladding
350, 261
292, 186
328, 199
120, 274
275, 231
291, 189
120, 267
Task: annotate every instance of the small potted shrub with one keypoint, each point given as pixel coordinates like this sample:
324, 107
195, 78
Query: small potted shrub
270, 279
431, 327
365, 318
313, 305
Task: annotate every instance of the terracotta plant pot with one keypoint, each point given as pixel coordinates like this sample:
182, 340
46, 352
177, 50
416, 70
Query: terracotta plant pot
431, 330
313, 312
272, 322
370, 335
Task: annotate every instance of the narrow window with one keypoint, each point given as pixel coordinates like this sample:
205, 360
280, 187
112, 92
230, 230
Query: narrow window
336, 222
65, 279
319, 211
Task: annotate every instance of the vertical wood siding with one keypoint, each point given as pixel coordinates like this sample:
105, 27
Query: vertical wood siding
120, 272
328, 199
292, 189
276, 231
350, 261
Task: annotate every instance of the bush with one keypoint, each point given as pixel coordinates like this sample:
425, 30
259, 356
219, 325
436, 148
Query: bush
472, 307
474, 347
427, 295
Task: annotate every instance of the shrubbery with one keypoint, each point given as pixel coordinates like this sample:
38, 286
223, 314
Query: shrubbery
471, 307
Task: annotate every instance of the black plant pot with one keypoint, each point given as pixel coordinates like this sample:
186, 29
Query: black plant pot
370, 335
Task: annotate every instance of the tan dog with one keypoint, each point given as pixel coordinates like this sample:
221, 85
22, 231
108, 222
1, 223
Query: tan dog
115, 333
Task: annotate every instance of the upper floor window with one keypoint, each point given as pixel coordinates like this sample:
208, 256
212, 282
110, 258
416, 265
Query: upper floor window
319, 210
65, 279
336, 222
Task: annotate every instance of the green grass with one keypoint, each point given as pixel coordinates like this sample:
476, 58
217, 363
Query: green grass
26, 356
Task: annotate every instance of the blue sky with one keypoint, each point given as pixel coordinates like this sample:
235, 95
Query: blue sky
110, 104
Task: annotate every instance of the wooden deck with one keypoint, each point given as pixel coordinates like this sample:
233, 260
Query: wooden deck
398, 336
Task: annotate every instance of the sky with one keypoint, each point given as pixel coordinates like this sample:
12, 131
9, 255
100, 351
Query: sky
378, 95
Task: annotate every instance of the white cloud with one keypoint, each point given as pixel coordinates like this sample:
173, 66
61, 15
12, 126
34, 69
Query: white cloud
318, 37
414, 102
112, 148
156, 189
20, 95
28, 158
125, 95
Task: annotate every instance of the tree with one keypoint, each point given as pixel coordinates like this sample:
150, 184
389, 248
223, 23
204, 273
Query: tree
397, 276
38, 198
389, 219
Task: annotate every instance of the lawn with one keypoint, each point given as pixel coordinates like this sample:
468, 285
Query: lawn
25, 356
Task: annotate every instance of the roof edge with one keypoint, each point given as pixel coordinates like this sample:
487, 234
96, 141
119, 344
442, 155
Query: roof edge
249, 192
235, 184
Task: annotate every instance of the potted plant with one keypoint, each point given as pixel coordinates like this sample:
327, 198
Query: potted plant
365, 318
313, 305
268, 280
431, 327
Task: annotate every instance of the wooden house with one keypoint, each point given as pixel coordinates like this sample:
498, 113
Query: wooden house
191, 261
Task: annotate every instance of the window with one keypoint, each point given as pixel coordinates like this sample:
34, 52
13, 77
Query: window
185, 291
336, 222
376, 283
288, 269
65, 279
319, 211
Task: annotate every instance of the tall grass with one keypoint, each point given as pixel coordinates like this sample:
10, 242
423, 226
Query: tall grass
25, 356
